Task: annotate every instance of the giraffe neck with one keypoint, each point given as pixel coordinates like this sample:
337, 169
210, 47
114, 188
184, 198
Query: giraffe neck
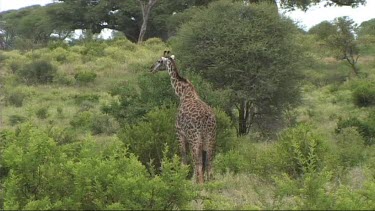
183, 88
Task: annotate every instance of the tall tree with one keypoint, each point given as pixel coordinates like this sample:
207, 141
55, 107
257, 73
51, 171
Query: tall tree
339, 36
249, 50
146, 10
345, 43
305, 4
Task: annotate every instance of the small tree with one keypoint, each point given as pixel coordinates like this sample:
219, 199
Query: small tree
344, 43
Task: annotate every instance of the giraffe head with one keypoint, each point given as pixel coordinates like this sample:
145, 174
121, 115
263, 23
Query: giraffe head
161, 64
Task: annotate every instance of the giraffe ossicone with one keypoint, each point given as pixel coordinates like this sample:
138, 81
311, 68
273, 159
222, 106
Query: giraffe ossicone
196, 121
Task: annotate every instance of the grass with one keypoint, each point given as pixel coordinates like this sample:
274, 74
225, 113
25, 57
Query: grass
326, 94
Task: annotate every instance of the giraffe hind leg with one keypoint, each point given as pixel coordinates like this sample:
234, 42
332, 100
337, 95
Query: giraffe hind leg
204, 161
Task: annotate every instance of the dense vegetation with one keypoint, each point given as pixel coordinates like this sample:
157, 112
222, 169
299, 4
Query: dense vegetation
86, 126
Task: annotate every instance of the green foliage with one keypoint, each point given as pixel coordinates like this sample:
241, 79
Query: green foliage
225, 132
307, 193
305, 5
364, 94
231, 161
350, 147
367, 28
313, 192
95, 176
301, 151
97, 123
42, 113
16, 119
15, 98
80, 98
38, 71
104, 124
323, 30
133, 104
347, 199
147, 138
365, 128
85, 77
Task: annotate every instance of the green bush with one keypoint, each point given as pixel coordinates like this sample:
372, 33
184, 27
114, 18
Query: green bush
15, 66
42, 113
301, 151
225, 132
38, 71
147, 138
231, 161
80, 98
364, 94
63, 78
16, 119
97, 123
88, 176
103, 123
15, 98
63, 135
59, 111
85, 77
309, 192
350, 147
82, 120
365, 128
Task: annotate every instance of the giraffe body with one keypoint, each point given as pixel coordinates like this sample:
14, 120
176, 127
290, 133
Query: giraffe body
195, 124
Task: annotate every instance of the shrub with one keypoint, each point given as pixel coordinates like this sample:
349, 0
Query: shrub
85, 77
42, 113
15, 98
82, 120
15, 66
365, 128
63, 78
231, 161
91, 175
63, 135
350, 147
364, 94
97, 123
38, 71
309, 192
103, 123
78, 99
16, 119
225, 132
301, 151
147, 138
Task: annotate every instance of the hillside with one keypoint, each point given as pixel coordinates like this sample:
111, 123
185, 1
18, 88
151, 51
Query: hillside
82, 136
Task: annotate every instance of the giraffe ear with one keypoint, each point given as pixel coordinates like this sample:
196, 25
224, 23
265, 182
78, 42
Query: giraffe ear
173, 57
165, 52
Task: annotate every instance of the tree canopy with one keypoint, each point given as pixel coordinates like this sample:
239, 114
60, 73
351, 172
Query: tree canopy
248, 49
64, 16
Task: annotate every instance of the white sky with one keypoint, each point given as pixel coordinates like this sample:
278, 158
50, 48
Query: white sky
307, 19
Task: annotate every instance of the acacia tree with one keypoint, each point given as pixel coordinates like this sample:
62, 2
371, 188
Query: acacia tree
344, 43
146, 10
339, 36
248, 49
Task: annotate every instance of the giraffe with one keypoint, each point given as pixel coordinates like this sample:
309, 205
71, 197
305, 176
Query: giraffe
196, 122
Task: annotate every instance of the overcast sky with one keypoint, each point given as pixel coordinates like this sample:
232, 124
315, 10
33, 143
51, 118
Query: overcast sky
307, 19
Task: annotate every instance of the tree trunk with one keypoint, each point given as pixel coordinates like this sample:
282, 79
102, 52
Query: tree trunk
244, 118
146, 10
